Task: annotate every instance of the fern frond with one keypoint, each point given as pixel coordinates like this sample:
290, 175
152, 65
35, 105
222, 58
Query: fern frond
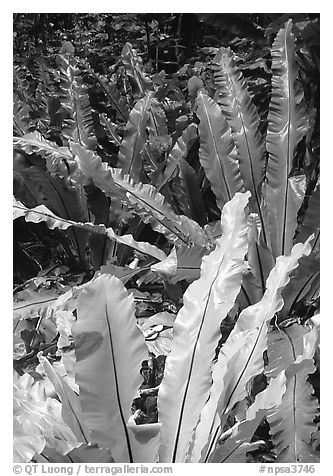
109, 350
75, 100
187, 374
287, 124
57, 158
110, 90
181, 179
129, 157
236, 104
111, 129
142, 198
21, 116
42, 213
241, 357
133, 65
217, 152
291, 423
234, 449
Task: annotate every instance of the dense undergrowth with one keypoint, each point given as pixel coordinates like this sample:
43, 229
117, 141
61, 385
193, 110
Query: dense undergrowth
166, 288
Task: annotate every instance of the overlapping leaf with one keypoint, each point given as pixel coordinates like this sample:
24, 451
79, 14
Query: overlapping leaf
70, 405
187, 375
241, 357
56, 157
292, 422
236, 104
142, 198
235, 448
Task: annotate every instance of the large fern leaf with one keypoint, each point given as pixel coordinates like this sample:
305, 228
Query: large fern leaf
109, 376
133, 65
75, 100
57, 157
292, 422
129, 158
236, 104
187, 374
217, 152
287, 124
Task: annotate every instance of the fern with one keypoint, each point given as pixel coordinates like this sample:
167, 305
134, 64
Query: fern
110, 90
195, 331
284, 191
98, 158
217, 152
41, 213
75, 100
133, 65
235, 101
140, 197
129, 158
291, 424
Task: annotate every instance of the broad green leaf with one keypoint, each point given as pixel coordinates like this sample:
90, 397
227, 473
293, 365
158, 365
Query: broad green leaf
237, 106
179, 151
158, 332
217, 152
181, 179
301, 283
188, 263
108, 376
287, 124
21, 116
168, 266
124, 273
100, 206
187, 375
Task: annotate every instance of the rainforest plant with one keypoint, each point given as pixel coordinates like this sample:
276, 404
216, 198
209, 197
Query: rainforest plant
220, 345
